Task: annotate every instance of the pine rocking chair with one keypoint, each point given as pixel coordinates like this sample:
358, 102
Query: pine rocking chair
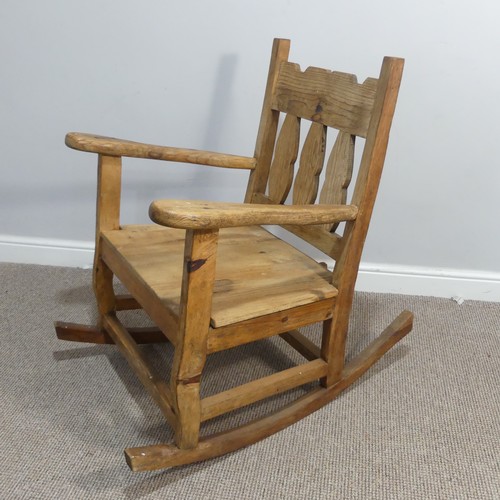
211, 278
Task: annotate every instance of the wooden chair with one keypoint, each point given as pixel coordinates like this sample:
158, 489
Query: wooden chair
211, 278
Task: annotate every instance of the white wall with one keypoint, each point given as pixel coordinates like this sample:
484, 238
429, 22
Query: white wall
192, 74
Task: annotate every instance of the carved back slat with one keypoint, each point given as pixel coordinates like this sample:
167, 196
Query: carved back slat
338, 173
285, 155
328, 97
312, 157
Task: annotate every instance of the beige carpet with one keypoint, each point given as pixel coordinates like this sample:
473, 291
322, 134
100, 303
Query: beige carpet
424, 423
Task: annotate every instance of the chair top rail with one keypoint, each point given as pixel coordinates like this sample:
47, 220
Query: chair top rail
332, 98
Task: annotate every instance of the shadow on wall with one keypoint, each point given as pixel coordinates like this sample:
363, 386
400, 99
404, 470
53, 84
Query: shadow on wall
217, 120
194, 182
221, 100
197, 181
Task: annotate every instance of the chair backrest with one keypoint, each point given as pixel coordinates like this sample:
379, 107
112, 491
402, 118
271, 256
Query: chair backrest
329, 100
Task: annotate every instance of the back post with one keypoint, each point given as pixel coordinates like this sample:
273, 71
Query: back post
364, 195
268, 126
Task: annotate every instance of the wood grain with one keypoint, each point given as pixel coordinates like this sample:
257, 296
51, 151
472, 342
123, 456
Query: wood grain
331, 98
268, 126
163, 310
338, 173
157, 388
302, 344
257, 273
285, 155
193, 214
109, 172
75, 332
265, 387
261, 327
198, 275
312, 157
111, 146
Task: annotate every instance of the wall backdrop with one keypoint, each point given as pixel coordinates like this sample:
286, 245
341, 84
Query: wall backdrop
192, 74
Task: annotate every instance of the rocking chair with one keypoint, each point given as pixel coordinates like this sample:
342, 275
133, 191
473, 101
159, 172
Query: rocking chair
211, 278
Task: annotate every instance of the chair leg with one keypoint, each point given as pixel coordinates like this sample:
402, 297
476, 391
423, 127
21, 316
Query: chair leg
109, 173
333, 346
188, 411
103, 289
191, 350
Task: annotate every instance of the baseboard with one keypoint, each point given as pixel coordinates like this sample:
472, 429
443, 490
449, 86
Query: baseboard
460, 284
46, 251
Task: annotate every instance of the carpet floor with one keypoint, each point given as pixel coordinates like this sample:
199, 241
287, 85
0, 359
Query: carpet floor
424, 423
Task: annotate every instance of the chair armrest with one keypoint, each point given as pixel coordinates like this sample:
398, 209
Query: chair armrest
206, 215
117, 147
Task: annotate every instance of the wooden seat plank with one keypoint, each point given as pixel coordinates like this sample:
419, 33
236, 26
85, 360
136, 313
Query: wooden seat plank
257, 273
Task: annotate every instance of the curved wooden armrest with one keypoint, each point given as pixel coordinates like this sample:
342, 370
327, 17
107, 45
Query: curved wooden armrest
207, 215
117, 147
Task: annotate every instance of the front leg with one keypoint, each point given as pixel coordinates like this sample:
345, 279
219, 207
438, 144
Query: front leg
191, 349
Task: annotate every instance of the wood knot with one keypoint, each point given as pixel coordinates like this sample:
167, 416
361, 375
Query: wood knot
194, 265
317, 113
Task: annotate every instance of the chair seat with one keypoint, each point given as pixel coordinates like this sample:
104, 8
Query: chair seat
256, 274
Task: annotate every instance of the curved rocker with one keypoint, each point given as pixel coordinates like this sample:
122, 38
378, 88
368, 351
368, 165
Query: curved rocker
163, 455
